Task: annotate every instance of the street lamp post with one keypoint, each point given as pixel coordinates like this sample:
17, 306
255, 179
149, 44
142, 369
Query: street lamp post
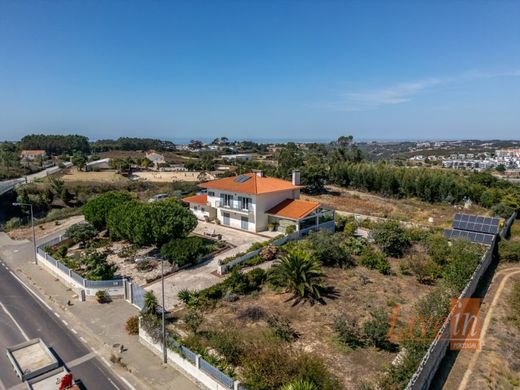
32, 225
165, 357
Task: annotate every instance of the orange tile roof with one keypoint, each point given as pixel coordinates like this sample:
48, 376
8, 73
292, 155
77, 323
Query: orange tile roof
200, 199
254, 185
32, 152
293, 208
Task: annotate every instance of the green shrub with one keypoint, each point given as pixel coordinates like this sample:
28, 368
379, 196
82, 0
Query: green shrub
132, 325
347, 331
193, 320
426, 271
391, 238
328, 248
228, 344
290, 229
377, 328
375, 260
463, 259
102, 296
255, 279
438, 248
13, 223
509, 251
267, 366
187, 250
81, 232
354, 245
503, 210
281, 328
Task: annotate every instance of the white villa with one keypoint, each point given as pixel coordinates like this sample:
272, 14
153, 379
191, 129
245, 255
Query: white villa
254, 202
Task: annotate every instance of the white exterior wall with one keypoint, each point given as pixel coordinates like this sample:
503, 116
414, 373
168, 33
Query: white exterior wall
201, 211
268, 201
260, 204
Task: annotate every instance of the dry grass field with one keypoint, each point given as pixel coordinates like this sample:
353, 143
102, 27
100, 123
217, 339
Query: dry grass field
359, 291
410, 210
74, 175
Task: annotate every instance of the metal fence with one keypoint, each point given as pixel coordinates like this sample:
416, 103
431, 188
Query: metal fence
192, 357
137, 295
216, 373
94, 284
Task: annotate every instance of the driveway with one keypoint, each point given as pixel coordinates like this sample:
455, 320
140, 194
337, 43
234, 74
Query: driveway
204, 275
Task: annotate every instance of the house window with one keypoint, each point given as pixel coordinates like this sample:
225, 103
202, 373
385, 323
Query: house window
228, 200
211, 193
195, 208
246, 202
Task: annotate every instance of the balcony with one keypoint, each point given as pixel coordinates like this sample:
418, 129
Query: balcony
235, 207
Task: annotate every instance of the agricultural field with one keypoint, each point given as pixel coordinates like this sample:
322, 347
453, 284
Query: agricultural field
410, 210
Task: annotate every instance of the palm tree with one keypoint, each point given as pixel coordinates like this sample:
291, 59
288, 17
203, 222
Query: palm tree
300, 385
300, 275
150, 303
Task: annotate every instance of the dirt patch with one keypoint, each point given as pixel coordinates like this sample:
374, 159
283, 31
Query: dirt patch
44, 229
168, 177
74, 175
411, 210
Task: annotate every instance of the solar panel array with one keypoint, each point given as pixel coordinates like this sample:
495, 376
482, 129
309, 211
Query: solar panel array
242, 179
481, 238
476, 223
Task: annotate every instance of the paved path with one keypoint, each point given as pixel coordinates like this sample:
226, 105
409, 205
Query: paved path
204, 275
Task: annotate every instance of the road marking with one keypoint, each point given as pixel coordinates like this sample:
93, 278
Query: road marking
15, 322
56, 314
105, 361
73, 330
82, 339
80, 360
113, 384
65, 322
31, 291
126, 382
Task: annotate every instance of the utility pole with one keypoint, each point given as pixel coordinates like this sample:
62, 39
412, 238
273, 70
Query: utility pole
32, 225
165, 356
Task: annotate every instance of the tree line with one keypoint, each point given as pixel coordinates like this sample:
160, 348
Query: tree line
55, 144
132, 144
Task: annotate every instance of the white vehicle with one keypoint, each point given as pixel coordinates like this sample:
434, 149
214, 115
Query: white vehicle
158, 197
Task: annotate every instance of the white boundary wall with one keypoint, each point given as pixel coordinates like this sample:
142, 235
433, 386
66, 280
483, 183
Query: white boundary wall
178, 361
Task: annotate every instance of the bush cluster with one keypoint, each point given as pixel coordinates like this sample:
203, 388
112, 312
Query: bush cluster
373, 259
189, 250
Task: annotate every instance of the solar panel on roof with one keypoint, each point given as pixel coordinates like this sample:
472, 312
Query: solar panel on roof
242, 178
486, 239
476, 223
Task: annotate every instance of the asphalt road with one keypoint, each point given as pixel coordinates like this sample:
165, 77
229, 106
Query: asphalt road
23, 316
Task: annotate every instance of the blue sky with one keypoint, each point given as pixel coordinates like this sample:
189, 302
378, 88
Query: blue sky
261, 69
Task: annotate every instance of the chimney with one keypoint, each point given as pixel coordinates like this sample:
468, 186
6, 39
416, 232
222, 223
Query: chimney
296, 177
258, 172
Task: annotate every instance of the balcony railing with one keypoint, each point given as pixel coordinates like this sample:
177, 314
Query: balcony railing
235, 206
